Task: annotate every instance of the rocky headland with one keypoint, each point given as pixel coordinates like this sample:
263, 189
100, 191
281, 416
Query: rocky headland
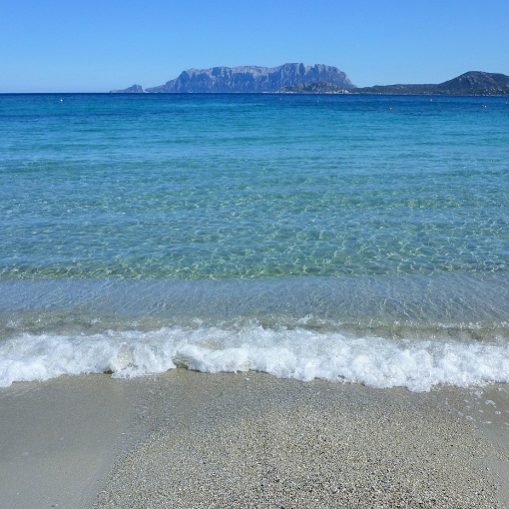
471, 83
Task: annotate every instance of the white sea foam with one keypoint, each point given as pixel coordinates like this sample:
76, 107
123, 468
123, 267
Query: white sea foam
288, 353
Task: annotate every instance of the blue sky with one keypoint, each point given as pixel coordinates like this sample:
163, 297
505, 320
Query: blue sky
75, 45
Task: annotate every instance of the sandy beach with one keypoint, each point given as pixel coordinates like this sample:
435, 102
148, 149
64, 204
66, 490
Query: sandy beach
193, 440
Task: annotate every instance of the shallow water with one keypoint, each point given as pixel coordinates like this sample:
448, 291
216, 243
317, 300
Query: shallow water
301, 223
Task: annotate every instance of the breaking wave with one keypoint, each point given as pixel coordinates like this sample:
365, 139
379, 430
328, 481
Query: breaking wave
285, 352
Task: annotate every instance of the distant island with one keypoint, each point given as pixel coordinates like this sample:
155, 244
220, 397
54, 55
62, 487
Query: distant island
248, 79
299, 78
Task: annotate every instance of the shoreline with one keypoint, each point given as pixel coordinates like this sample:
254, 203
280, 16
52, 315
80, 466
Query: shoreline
250, 440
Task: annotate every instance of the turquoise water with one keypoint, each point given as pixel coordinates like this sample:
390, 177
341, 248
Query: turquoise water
213, 187
384, 216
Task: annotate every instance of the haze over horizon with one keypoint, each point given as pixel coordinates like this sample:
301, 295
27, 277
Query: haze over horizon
93, 47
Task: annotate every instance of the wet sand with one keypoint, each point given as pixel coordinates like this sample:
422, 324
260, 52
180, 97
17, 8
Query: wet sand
58, 440
192, 440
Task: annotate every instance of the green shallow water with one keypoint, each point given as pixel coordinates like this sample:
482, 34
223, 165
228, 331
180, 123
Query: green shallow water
447, 306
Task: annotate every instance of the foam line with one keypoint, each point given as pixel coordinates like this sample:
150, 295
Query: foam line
287, 353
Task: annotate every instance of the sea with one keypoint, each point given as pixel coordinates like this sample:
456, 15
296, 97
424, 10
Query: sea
352, 238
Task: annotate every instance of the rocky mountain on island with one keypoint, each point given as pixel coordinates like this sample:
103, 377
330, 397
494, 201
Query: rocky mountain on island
470, 83
252, 79
248, 79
